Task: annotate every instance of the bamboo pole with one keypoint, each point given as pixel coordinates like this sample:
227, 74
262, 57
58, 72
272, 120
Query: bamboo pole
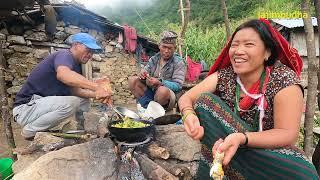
5, 113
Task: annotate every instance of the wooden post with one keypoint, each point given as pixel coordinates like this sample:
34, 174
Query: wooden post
5, 112
317, 8
312, 80
226, 18
184, 23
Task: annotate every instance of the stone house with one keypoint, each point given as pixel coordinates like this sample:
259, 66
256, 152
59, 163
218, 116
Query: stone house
25, 43
293, 31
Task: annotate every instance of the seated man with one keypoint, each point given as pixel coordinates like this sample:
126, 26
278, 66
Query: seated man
162, 77
55, 89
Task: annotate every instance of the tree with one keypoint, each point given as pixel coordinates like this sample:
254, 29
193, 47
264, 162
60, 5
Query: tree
225, 17
312, 80
184, 22
317, 5
5, 115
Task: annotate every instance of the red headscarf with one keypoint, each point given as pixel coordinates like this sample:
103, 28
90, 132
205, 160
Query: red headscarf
286, 54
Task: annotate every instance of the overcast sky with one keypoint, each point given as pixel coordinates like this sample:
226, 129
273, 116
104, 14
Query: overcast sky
94, 4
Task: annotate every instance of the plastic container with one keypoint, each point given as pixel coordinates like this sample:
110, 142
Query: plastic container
155, 110
6, 168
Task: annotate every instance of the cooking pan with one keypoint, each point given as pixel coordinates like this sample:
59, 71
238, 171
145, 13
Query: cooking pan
167, 119
131, 135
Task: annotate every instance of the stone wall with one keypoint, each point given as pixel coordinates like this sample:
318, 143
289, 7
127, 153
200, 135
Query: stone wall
24, 51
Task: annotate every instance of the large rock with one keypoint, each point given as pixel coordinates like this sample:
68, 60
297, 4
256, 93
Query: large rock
18, 81
96, 57
93, 160
61, 35
4, 31
178, 143
40, 27
27, 33
41, 139
16, 39
72, 30
41, 53
14, 89
61, 24
91, 121
8, 51
22, 49
13, 60
37, 36
108, 49
2, 36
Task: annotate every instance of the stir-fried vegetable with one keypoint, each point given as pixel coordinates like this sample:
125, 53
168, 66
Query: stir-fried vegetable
130, 123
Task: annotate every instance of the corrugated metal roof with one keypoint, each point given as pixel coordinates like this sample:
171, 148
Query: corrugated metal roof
293, 23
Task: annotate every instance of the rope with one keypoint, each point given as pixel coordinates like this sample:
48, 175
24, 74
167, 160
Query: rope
143, 20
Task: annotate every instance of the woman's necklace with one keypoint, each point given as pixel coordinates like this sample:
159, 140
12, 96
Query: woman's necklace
237, 108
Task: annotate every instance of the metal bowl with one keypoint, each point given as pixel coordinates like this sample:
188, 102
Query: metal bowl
127, 112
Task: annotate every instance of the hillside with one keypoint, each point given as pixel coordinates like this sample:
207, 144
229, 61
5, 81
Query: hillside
204, 13
205, 35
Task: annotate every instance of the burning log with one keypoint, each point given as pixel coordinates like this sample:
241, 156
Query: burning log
151, 170
156, 151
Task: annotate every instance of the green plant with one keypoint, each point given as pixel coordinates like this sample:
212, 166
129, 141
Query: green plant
300, 140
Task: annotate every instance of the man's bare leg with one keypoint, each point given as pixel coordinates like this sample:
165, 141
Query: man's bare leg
162, 95
136, 86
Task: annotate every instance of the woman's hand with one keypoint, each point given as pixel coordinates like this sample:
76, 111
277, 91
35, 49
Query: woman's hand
192, 127
229, 146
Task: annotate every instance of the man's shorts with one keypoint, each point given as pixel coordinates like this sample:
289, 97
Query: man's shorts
149, 96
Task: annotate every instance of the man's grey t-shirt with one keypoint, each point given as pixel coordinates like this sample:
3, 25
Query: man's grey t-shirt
43, 78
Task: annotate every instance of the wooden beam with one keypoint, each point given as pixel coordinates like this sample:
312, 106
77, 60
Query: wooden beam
5, 111
49, 44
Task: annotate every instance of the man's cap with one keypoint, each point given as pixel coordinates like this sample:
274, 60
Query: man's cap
168, 37
87, 40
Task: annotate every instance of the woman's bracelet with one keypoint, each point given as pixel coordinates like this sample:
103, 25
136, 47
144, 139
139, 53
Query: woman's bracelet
246, 141
187, 114
186, 108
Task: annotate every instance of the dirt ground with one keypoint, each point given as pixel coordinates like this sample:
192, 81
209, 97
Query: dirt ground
20, 142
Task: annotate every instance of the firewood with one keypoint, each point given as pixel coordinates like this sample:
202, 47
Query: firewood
156, 151
27, 150
169, 167
181, 171
151, 170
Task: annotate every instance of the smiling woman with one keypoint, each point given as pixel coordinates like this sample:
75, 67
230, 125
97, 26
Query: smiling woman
250, 107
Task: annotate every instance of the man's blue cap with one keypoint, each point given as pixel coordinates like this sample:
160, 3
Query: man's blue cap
87, 40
